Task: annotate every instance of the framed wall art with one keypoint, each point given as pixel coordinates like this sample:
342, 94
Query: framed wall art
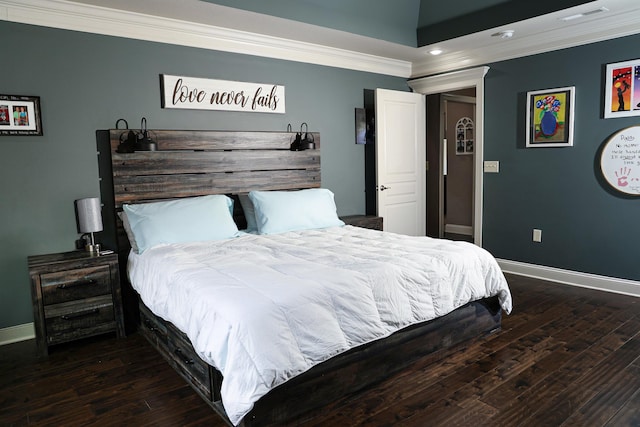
550, 117
622, 89
361, 126
20, 115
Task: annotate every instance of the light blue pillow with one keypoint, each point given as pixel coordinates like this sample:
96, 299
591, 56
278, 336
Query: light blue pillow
282, 211
193, 219
249, 213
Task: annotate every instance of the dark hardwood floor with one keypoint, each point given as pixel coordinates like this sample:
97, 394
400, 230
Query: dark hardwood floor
566, 356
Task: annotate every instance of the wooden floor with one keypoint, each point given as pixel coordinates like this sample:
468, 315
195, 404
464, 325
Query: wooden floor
566, 356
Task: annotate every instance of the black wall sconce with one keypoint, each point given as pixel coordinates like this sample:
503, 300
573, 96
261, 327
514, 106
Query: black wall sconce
132, 141
303, 140
145, 143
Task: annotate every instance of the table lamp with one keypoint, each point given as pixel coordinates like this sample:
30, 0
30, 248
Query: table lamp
89, 219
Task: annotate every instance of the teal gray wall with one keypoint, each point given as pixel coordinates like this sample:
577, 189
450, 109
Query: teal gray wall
586, 226
86, 82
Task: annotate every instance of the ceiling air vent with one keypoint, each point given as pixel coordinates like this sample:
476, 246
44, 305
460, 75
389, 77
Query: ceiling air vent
583, 14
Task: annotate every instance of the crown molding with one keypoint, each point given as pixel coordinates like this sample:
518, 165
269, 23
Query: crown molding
68, 15
203, 25
449, 81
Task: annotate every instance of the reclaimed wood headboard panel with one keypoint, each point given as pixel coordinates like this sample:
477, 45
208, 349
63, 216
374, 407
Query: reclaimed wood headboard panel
197, 163
193, 163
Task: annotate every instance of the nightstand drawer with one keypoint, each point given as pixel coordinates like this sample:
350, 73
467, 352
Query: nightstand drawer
70, 285
76, 319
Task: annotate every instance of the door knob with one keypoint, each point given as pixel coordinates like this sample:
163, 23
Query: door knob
383, 187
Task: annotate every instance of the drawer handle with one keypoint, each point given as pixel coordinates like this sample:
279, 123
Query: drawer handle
182, 356
81, 314
153, 329
78, 283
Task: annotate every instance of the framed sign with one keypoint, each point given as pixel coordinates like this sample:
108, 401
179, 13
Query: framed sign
622, 89
620, 161
550, 117
20, 115
208, 94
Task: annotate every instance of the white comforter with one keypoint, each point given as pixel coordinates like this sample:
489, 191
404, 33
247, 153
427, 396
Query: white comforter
263, 309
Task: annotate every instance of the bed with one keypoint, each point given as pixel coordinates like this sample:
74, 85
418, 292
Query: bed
335, 272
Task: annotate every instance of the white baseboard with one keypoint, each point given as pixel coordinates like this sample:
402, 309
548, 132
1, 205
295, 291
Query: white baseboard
465, 230
17, 333
574, 278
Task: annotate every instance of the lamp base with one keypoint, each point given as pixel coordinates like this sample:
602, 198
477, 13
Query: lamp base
93, 249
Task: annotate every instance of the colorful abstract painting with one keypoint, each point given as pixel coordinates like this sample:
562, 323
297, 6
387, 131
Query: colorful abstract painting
622, 89
550, 117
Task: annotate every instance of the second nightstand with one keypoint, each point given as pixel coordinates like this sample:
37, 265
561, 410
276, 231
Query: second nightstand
364, 221
75, 295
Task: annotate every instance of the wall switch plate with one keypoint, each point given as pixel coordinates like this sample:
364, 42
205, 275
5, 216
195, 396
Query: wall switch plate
491, 166
537, 235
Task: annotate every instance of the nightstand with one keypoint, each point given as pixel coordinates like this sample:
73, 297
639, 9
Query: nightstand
75, 295
364, 221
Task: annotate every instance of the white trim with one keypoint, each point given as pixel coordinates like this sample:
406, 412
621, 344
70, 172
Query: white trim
74, 16
573, 278
17, 333
465, 230
449, 81
473, 77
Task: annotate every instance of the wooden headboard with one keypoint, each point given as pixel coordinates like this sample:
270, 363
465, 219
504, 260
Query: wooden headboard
196, 163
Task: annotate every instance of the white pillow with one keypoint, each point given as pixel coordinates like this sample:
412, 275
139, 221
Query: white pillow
282, 211
193, 219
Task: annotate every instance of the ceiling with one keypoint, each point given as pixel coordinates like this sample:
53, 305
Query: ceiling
457, 18
286, 39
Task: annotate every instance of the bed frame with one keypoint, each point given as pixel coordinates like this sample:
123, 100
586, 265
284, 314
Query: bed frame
194, 163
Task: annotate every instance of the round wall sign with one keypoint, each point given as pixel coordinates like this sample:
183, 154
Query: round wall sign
620, 160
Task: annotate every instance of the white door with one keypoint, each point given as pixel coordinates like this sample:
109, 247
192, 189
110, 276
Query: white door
401, 161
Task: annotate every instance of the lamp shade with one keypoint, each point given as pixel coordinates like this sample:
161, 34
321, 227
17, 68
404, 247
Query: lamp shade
89, 215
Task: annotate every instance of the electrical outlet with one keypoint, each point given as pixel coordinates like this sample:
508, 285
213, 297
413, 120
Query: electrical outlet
537, 235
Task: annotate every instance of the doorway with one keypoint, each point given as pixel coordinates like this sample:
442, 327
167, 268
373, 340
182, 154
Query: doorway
459, 109
446, 83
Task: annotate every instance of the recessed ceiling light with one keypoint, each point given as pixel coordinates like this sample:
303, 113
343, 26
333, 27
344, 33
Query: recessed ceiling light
506, 34
435, 51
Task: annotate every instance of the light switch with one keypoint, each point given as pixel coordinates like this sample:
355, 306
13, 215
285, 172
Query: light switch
492, 166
